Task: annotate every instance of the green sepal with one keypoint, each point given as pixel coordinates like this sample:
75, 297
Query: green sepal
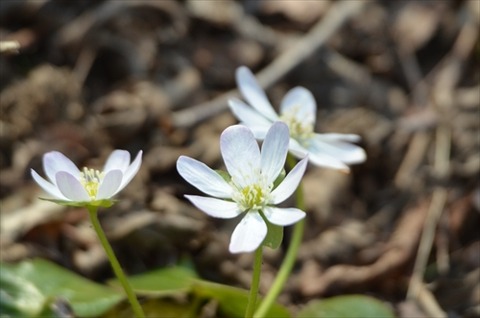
274, 235
106, 203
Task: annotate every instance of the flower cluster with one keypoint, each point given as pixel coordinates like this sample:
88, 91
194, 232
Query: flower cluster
250, 189
254, 183
88, 187
298, 110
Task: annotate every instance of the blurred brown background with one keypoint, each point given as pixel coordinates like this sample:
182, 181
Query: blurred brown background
92, 76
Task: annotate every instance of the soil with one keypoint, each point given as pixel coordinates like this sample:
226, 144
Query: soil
89, 77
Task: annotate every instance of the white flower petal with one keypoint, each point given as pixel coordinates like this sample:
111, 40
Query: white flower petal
296, 149
259, 131
241, 154
47, 186
253, 93
110, 184
341, 137
246, 114
54, 162
118, 159
71, 188
300, 102
283, 216
274, 151
130, 172
217, 208
249, 233
342, 151
288, 185
317, 158
203, 178
327, 161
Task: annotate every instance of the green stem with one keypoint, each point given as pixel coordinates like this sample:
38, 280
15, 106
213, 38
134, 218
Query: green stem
257, 269
289, 260
117, 269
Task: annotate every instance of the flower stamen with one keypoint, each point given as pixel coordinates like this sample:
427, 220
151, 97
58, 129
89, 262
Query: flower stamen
252, 197
91, 179
300, 131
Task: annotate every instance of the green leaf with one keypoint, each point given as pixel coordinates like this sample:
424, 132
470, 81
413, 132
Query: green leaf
14, 291
274, 235
162, 282
29, 286
232, 302
348, 306
158, 308
175, 281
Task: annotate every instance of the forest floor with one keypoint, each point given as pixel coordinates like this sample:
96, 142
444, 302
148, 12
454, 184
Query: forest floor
93, 76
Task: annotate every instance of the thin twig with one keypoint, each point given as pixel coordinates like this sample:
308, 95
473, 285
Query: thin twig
429, 303
299, 51
75, 31
9, 47
413, 158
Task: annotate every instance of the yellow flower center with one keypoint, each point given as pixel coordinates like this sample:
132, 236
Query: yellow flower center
252, 197
301, 132
90, 179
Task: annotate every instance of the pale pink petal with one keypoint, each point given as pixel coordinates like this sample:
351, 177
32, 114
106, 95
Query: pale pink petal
203, 178
341, 137
288, 185
283, 216
327, 161
342, 151
118, 160
47, 186
216, 208
247, 115
248, 234
54, 162
260, 131
296, 149
250, 118
274, 151
110, 184
71, 188
131, 171
317, 158
254, 94
241, 154
300, 102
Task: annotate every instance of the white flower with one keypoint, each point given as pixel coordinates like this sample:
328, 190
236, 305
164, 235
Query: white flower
298, 110
70, 186
251, 186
